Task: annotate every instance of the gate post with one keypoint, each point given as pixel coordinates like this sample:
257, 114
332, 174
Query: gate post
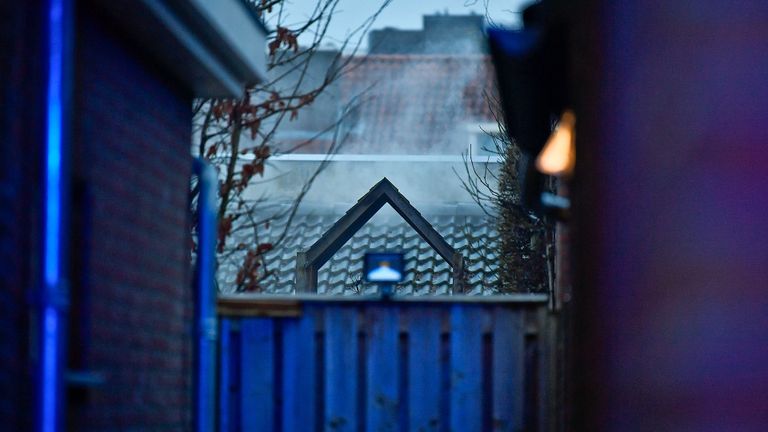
306, 274
458, 273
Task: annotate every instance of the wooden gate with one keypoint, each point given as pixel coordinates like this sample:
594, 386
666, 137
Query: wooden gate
359, 364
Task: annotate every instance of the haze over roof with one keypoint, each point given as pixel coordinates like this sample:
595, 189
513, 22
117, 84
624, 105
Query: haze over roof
417, 104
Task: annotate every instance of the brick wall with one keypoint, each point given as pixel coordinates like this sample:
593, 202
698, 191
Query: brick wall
20, 117
131, 289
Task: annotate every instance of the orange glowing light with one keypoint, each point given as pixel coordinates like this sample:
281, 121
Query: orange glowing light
558, 156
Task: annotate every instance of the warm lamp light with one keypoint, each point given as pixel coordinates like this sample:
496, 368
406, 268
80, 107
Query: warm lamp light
558, 156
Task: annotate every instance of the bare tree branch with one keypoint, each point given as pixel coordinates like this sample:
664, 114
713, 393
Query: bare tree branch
239, 136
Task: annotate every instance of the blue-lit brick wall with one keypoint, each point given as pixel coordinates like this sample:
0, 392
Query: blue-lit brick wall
132, 134
129, 275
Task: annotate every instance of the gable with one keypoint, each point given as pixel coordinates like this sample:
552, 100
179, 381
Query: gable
384, 192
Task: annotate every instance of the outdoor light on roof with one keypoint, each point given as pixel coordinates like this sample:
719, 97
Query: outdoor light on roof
558, 156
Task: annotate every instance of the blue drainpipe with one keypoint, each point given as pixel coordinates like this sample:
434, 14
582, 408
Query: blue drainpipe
205, 299
54, 294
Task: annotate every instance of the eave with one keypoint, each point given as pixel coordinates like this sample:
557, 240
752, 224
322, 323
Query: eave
214, 48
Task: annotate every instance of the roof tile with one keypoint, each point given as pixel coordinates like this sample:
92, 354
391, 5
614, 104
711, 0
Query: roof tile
426, 272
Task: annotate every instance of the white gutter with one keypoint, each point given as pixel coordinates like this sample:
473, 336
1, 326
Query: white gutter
235, 24
376, 158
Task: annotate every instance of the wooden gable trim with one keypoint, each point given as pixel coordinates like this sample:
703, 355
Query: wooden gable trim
384, 192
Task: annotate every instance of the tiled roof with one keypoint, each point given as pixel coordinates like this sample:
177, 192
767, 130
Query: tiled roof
412, 104
427, 273
416, 102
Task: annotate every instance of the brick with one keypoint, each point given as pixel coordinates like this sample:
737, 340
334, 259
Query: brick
134, 132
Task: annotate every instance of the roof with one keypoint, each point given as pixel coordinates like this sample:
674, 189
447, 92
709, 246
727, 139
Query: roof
470, 232
416, 103
413, 104
383, 192
213, 48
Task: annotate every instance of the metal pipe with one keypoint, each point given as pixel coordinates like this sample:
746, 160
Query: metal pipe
205, 299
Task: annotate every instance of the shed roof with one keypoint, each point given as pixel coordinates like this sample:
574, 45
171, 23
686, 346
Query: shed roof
467, 230
383, 192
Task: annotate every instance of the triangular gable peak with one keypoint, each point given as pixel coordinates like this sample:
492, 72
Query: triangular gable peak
384, 192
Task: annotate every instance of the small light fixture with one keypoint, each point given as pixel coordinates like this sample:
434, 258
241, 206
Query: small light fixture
558, 156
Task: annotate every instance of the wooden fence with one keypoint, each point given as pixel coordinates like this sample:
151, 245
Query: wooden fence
352, 364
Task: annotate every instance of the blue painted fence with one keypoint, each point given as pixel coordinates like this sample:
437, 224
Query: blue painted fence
315, 363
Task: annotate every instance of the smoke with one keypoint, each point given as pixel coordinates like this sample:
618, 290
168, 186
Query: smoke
417, 104
417, 115
424, 181
416, 120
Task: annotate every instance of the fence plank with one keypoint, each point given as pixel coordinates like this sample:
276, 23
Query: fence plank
466, 368
341, 363
279, 374
258, 380
544, 365
508, 369
381, 400
424, 370
299, 366
225, 375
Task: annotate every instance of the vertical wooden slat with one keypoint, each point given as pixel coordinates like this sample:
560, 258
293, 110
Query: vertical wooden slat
425, 381
545, 362
258, 380
225, 375
341, 351
508, 369
362, 371
299, 392
466, 367
424, 369
382, 403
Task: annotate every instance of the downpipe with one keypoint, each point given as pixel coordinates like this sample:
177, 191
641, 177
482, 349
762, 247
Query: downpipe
205, 299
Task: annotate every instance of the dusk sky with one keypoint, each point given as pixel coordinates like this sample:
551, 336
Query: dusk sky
406, 14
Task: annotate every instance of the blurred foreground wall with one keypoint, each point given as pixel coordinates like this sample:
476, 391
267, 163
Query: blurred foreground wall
129, 276
131, 290
124, 294
671, 235
21, 76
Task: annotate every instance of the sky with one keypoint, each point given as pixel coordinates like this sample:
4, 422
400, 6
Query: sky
406, 14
